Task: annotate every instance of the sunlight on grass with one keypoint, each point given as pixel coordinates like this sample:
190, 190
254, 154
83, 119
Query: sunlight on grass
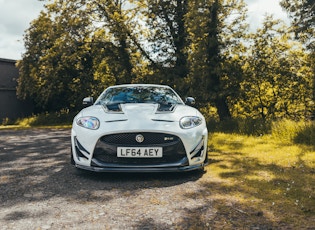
26, 122
269, 180
61, 119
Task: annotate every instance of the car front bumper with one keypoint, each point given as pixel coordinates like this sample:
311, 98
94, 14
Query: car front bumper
177, 157
151, 168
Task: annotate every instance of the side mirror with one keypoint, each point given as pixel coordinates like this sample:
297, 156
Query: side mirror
87, 101
190, 101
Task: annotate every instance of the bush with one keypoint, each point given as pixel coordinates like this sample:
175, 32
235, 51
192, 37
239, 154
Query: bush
306, 135
256, 127
245, 126
63, 117
301, 132
6, 121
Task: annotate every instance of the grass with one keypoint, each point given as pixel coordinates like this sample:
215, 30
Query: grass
262, 182
61, 119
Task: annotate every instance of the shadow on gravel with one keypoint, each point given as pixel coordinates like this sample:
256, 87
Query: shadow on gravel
145, 179
35, 166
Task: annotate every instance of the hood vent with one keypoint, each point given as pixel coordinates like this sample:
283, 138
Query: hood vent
113, 107
166, 108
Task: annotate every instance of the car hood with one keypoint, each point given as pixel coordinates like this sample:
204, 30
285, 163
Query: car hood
140, 112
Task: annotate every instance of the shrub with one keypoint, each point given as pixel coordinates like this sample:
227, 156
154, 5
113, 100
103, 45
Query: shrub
63, 117
306, 135
245, 126
6, 121
301, 132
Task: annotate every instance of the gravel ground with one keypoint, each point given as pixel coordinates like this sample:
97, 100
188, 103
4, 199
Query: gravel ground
39, 189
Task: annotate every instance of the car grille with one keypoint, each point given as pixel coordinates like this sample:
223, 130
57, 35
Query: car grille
106, 148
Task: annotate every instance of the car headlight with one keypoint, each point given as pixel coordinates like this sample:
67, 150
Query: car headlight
189, 122
88, 122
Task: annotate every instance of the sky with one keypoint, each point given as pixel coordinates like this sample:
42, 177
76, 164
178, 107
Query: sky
16, 16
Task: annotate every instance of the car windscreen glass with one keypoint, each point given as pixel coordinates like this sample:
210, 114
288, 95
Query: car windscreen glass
139, 94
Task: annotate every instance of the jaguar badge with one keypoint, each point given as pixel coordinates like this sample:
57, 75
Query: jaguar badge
139, 138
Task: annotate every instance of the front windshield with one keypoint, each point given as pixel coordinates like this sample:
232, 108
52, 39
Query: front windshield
139, 94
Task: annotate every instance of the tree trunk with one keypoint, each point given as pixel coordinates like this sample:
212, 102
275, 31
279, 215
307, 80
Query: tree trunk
222, 108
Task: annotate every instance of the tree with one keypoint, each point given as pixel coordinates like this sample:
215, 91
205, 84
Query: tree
56, 69
114, 19
166, 39
277, 77
93, 44
303, 14
67, 55
303, 24
215, 29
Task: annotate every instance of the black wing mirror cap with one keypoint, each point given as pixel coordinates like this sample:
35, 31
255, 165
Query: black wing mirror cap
88, 101
190, 101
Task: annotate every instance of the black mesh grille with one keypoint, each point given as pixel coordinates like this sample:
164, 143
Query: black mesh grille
106, 148
129, 139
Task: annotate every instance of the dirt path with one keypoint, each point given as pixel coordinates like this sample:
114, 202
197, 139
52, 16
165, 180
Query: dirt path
39, 189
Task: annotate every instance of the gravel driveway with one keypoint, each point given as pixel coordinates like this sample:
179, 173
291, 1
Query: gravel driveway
39, 189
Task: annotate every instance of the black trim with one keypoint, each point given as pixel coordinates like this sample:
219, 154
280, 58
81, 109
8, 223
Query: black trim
105, 151
79, 149
143, 169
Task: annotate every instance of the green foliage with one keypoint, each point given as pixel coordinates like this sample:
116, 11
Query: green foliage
298, 132
61, 118
66, 55
168, 37
286, 131
303, 23
244, 126
214, 30
306, 135
77, 48
56, 69
6, 121
277, 79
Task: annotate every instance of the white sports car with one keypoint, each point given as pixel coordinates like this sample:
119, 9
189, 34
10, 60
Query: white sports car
139, 128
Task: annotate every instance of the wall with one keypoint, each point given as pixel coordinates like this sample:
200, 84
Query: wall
10, 106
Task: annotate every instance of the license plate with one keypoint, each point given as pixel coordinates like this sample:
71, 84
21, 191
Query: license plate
140, 152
